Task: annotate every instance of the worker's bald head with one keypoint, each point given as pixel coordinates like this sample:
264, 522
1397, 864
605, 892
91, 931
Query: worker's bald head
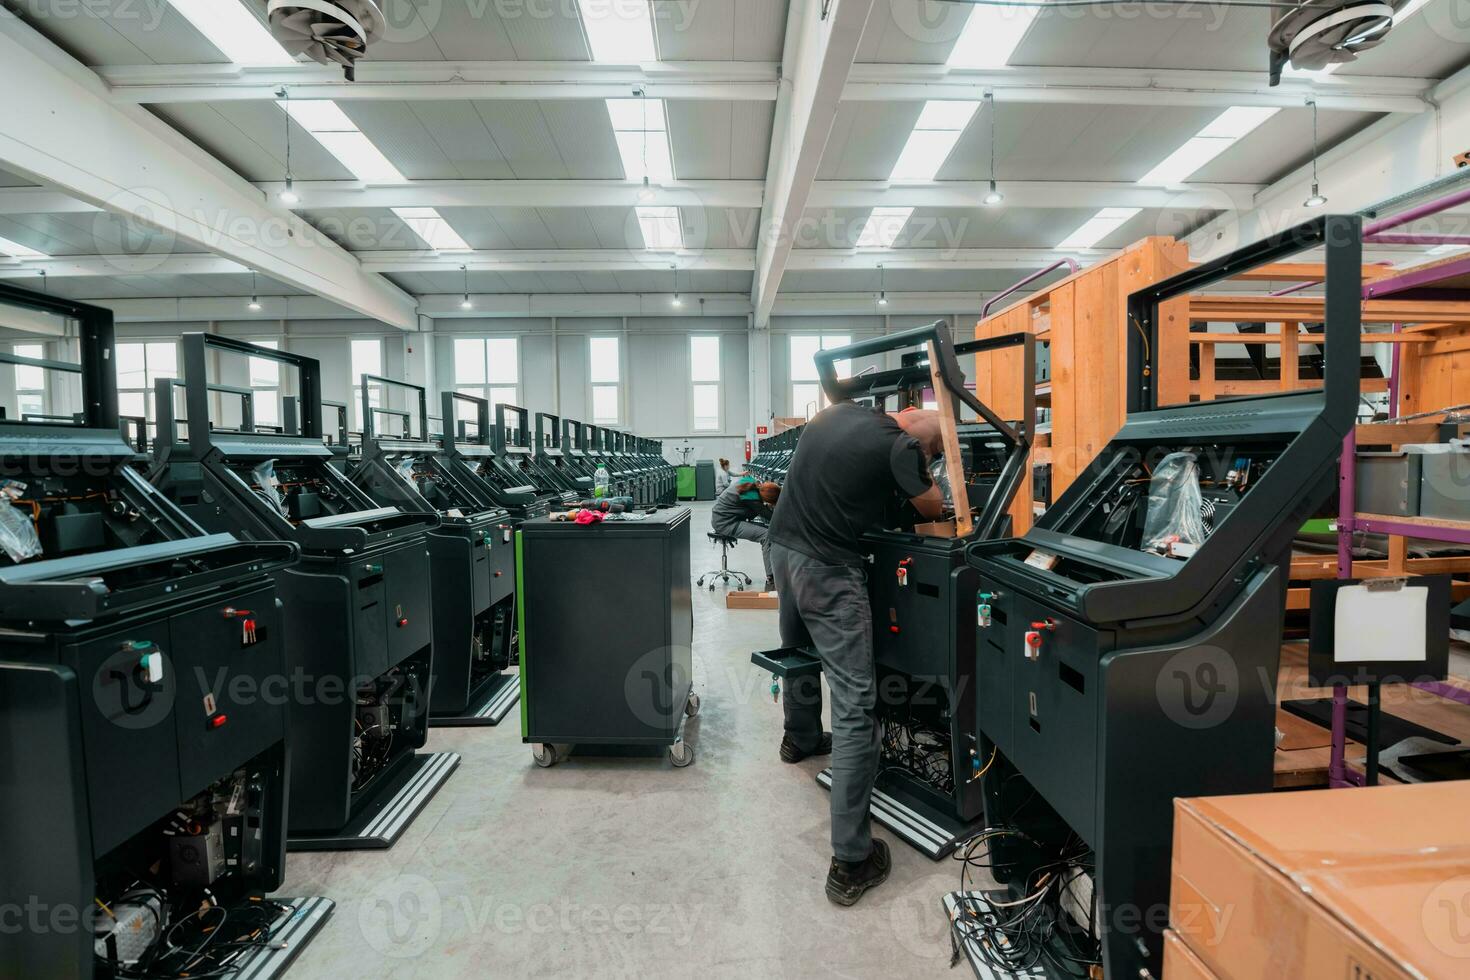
923, 425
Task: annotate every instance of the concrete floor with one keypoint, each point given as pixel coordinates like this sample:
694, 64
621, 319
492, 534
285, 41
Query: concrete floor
628, 867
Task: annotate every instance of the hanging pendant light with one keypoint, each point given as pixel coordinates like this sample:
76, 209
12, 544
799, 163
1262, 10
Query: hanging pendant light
995, 196
676, 301
1318, 198
254, 304
465, 303
882, 293
288, 193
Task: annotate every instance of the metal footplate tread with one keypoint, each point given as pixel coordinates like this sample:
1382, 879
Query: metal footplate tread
922, 831
492, 709
381, 824
292, 931
970, 945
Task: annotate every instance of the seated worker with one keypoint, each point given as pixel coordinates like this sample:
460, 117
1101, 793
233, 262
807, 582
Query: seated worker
848, 466
738, 510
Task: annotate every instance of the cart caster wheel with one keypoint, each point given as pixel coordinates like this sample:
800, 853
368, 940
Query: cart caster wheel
545, 755
712, 587
701, 581
681, 754
739, 588
691, 707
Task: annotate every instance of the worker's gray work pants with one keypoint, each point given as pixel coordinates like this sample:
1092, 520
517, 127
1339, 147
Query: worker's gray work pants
825, 607
748, 531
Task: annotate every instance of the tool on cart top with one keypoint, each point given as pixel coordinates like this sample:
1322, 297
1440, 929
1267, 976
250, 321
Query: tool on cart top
85, 536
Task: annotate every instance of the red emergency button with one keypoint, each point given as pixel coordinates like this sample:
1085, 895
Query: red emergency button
893, 629
218, 721
403, 621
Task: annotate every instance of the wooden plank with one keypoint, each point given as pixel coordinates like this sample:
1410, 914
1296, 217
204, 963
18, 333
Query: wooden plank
1396, 434
1208, 339
1424, 522
1225, 389
954, 465
1302, 272
1207, 378
1065, 467
1290, 355
1398, 555
1307, 568
1273, 309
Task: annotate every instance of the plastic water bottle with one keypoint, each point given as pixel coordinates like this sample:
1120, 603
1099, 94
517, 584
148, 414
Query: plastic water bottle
600, 483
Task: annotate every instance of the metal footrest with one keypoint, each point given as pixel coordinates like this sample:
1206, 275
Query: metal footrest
927, 831
384, 820
490, 709
293, 929
977, 902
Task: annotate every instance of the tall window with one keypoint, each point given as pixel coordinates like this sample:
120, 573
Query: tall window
265, 381
367, 358
138, 367
704, 375
489, 368
30, 382
807, 397
605, 371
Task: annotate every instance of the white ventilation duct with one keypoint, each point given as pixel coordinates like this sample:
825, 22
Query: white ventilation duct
1325, 32
330, 32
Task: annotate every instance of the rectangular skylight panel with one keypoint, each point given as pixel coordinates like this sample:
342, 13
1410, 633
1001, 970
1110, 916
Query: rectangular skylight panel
235, 31
946, 114
1218, 136
661, 228
429, 225
318, 115
619, 31
18, 251
636, 114
358, 154
1237, 121
991, 36
882, 228
923, 154
1098, 227
645, 154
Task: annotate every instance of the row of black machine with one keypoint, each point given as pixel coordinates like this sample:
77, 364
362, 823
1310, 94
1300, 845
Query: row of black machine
167, 619
1044, 698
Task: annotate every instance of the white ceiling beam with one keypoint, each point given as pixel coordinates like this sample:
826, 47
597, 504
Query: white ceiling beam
333, 194
339, 194
560, 260
724, 81
822, 39
1135, 86
58, 112
41, 200
758, 81
143, 264
445, 306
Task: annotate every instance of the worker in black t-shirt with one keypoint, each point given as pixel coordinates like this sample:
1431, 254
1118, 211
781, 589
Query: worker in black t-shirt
849, 464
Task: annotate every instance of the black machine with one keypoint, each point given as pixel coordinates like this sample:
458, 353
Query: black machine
467, 451
922, 592
773, 456
144, 773
358, 608
514, 457
472, 556
550, 460
1128, 645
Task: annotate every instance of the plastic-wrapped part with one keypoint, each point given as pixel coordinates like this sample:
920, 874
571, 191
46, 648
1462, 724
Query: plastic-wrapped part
17, 534
1173, 524
939, 473
405, 470
265, 479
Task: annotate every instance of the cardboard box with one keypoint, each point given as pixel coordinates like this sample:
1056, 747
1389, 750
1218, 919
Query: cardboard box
752, 600
1180, 963
1361, 884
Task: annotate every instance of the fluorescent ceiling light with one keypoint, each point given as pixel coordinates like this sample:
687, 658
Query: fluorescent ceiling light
661, 228
640, 128
1097, 227
18, 251
1208, 143
934, 136
882, 227
620, 31
238, 34
1436, 250
991, 36
432, 228
325, 120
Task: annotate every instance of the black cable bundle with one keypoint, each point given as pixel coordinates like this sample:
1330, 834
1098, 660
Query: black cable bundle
918, 751
211, 941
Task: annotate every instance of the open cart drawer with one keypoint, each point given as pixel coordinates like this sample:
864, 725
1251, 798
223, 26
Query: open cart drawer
788, 661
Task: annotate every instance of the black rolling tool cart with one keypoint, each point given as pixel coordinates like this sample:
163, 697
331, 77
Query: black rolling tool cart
358, 608
923, 594
606, 631
143, 769
1129, 643
471, 556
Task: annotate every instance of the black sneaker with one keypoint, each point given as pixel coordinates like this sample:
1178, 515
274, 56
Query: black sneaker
847, 880
770, 585
790, 753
